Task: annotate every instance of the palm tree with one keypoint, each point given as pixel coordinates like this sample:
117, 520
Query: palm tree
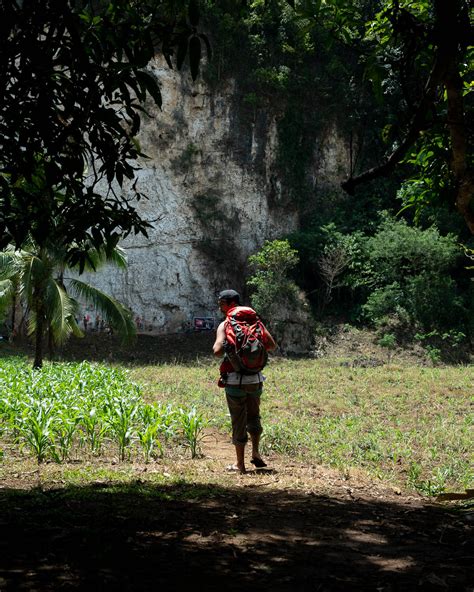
35, 276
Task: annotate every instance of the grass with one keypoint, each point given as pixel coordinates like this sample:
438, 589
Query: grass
408, 426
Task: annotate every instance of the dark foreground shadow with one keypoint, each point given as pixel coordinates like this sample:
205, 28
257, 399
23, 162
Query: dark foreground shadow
147, 537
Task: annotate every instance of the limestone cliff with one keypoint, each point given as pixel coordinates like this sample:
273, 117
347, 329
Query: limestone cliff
214, 196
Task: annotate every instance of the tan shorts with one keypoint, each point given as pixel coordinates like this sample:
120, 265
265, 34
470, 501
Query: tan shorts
244, 409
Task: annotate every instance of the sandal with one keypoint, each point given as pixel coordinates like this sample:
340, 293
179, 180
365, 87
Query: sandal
234, 469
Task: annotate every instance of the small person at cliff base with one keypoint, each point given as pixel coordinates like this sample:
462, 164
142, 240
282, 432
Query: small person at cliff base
243, 388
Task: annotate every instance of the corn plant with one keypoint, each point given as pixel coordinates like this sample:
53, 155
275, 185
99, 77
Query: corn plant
87, 403
192, 424
149, 442
36, 428
63, 437
121, 422
95, 429
168, 420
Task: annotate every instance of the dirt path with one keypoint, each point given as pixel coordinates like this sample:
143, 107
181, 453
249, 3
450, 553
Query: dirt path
291, 527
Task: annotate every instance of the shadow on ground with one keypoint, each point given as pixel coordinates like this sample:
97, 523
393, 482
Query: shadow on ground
183, 348
147, 537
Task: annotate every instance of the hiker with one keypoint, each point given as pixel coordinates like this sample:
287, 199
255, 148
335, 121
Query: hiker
243, 388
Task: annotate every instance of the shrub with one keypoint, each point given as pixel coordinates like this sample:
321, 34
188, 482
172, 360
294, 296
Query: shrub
383, 302
278, 299
409, 269
432, 300
273, 288
399, 251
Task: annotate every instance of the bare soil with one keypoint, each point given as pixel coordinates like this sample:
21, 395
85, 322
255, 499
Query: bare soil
290, 526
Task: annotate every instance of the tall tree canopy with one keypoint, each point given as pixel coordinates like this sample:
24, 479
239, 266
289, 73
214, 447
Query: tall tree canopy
74, 82
420, 51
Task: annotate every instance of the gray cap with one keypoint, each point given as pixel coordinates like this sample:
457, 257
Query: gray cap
230, 295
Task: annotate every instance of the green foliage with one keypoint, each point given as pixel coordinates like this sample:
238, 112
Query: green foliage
282, 64
399, 251
388, 340
193, 424
57, 412
431, 182
384, 301
35, 277
446, 345
424, 79
407, 273
121, 423
399, 275
433, 301
80, 86
273, 288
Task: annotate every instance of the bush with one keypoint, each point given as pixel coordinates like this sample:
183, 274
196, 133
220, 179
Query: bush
407, 274
403, 275
432, 301
273, 288
400, 251
278, 299
383, 302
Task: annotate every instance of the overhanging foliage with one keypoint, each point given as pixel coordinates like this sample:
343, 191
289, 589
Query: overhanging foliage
74, 83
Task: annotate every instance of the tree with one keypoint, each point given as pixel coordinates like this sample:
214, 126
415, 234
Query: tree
273, 288
35, 276
422, 51
331, 265
277, 298
74, 80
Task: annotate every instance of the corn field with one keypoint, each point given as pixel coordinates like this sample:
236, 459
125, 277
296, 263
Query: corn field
67, 412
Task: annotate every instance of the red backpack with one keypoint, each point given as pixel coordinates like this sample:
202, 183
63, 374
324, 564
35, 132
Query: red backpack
244, 342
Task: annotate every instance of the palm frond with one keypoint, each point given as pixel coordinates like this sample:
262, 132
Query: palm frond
60, 308
96, 258
9, 265
31, 326
28, 277
117, 257
115, 313
75, 329
7, 289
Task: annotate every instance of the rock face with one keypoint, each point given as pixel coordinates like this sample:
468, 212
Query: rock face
214, 197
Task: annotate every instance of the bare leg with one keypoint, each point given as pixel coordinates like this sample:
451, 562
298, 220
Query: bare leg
240, 453
255, 442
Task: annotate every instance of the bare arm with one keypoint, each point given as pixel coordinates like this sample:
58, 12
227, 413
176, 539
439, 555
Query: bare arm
270, 343
218, 347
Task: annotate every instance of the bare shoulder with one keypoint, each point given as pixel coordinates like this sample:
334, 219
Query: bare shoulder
218, 347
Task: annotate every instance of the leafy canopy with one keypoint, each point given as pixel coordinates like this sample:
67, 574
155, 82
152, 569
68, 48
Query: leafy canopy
74, 80
420, 53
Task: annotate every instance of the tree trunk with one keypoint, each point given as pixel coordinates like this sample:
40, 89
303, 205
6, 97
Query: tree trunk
459, 147
38, 361
451, 28
13, 319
